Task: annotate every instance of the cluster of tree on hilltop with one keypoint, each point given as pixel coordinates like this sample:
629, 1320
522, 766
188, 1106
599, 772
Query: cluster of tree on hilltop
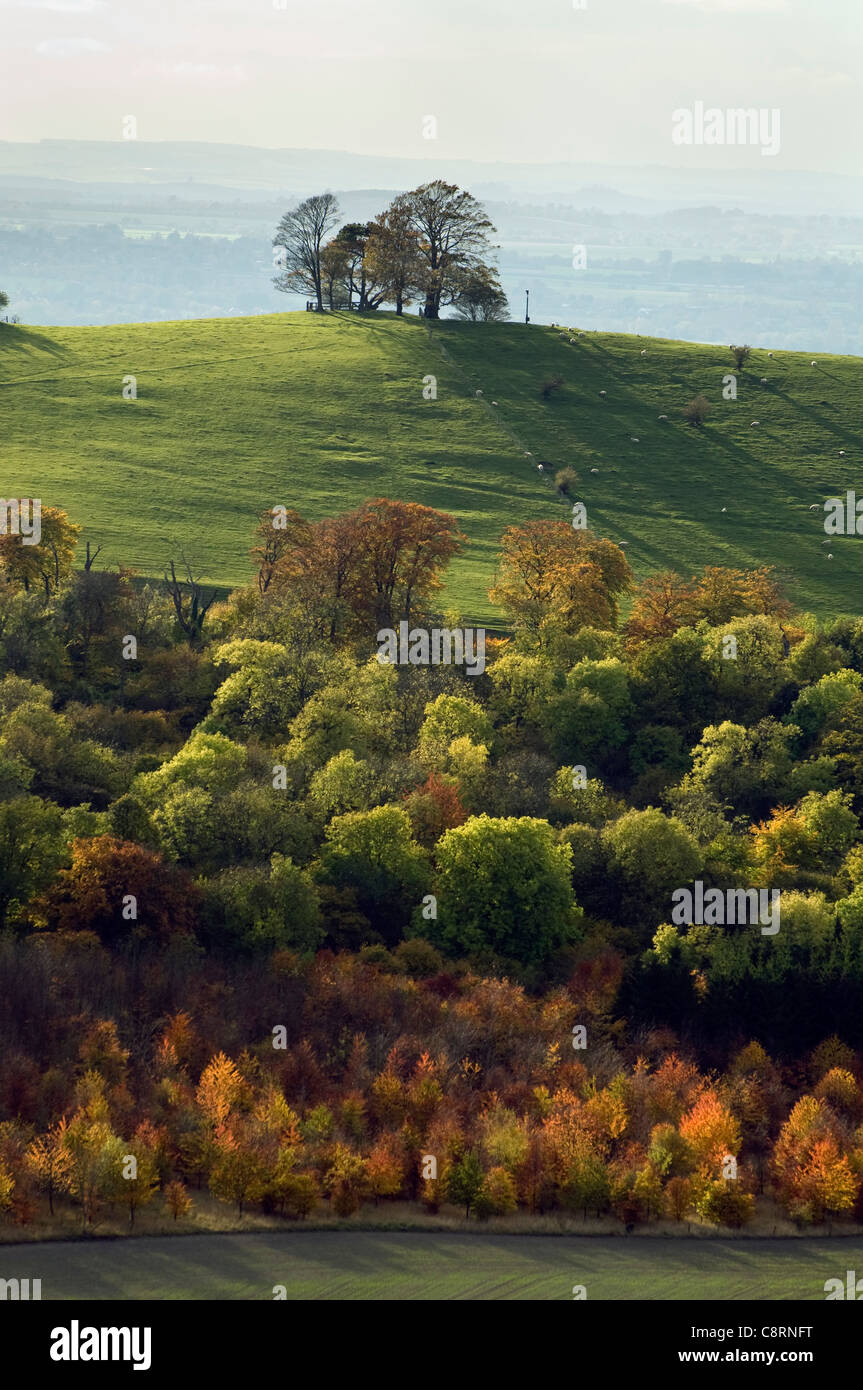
233, 816
430, 245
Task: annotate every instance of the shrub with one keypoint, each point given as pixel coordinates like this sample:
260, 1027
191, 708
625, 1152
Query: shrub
697, 411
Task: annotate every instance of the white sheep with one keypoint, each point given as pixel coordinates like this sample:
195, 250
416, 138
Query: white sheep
594, 470
479, 393
663, 417
842, 453
764, 381
813, 364
633, 440
494, 402
644, 352
814, 507
602, 393
572, 340
829, 557
753, 423
725, 509
770, 354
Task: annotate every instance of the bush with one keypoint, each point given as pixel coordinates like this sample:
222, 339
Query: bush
697, 411
549, 386
565, 480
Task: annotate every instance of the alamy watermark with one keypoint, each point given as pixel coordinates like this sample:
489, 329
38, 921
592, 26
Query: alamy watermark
437, 646
727, 907
21, 518
739, 125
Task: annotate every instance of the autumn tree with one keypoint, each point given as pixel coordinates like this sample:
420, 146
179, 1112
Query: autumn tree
661, 604
813, 1173
280, 532
137, 1177
116, 888
404, 548
220, 1089
239, 1174
47, 565
433, 808
375, 566
95, 1156
49, 1160
664, 602
711, 1132
177, 1199
393, 255
453, 232
550, 575
346, 1180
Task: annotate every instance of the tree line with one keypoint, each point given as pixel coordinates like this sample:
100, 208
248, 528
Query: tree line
430, 245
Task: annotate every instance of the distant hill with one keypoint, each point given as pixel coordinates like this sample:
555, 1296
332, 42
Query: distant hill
321, 412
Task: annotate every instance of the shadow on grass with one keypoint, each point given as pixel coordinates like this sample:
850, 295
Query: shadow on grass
15, 338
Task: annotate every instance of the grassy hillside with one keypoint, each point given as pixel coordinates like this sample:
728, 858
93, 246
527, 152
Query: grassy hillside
321, 412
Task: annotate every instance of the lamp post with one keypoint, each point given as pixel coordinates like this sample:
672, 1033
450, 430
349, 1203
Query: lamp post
527, 306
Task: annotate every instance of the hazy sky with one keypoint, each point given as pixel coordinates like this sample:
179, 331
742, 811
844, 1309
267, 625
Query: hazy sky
536, 81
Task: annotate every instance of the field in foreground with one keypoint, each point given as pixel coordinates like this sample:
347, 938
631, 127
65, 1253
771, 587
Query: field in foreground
378, 1266
321, 412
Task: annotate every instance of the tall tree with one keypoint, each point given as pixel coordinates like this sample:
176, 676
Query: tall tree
352, 243
46, 565
374, 566
301, 235
552, 574
393, 253
453, 232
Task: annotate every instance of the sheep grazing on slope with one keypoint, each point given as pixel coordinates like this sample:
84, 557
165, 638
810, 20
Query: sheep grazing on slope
753, 423
602, 393
663, 417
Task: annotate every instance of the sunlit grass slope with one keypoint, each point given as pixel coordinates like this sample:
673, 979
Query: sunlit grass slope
321, 412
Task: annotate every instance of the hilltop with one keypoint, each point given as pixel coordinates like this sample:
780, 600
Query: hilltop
321, 412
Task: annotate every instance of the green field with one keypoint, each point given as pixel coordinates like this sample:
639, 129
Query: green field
372, 1265
321, 412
